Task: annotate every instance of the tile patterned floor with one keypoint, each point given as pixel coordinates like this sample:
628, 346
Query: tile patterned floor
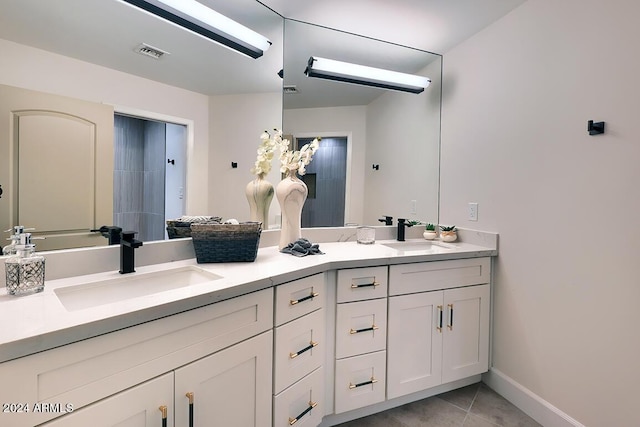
472, 406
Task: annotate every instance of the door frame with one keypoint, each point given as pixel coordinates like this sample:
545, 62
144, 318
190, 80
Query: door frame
150, 115
337, 134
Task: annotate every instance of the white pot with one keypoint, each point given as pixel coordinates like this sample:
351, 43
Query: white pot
259, 194
291, 193
430, 234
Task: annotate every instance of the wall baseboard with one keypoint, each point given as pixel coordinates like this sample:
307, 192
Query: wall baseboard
527, 401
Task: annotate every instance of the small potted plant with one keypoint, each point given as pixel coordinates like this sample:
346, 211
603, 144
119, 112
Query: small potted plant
448, 233
430, 231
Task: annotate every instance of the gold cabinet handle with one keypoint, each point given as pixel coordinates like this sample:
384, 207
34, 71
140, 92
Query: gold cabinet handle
366, 285
308, 297
357, 331
190, 397
312, 405
371, 381
440, 311
163, 409
450, 323
307, 348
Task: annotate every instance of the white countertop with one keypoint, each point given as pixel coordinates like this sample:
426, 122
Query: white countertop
38, 322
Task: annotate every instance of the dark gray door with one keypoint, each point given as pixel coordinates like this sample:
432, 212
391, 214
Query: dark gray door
326, 179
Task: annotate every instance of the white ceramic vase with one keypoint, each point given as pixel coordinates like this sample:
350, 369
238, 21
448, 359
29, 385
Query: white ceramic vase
291, 193
259, 194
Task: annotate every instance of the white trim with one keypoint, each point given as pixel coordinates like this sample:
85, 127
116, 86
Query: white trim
347, 183
527, 401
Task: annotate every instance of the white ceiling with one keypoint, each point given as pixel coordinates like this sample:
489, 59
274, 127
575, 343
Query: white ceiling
105, 32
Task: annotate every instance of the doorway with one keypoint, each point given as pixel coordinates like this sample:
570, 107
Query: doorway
326, 179
149, 175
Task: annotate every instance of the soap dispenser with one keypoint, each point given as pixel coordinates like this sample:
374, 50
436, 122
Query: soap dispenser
24, 269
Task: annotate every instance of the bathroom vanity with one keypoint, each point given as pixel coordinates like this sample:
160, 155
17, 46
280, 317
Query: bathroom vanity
282, 341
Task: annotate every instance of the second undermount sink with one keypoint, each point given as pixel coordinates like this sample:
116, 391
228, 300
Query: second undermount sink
124, 287
416, 245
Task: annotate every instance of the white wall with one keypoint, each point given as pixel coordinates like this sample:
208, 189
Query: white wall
236, 123
338, 121
36, 69
516, 101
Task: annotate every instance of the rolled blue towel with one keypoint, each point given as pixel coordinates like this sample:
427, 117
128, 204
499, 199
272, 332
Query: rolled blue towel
302, 247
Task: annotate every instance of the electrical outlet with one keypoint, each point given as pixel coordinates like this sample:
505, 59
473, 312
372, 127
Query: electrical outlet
414, 207
473, 211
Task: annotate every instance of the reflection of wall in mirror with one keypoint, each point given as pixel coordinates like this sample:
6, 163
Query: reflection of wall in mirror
338, 121
403, 137
398, 131
36, 69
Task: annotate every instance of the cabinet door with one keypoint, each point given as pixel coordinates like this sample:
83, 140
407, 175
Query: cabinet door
228, 388
414, 348
137, 407
466, 334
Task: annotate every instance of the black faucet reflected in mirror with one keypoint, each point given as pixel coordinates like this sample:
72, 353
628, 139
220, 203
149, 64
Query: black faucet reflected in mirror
401, 225
111, 232
127, 255
388, 220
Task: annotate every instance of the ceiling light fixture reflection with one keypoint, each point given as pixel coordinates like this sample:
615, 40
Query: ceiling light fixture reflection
206, 22
369, 76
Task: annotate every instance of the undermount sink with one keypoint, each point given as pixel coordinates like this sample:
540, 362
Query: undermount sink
107, 291
411, 246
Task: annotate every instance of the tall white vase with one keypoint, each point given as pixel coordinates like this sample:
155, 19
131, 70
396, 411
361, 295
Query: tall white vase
259, 194
291, 193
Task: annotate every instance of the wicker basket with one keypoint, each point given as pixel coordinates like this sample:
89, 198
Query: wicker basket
226, 242
181, 227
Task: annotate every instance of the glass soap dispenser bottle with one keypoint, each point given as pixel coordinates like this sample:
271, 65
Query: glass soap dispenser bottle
24, 269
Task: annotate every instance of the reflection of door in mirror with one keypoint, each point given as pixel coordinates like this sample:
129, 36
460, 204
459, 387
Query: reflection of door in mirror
57, 154
326, 179
149, 175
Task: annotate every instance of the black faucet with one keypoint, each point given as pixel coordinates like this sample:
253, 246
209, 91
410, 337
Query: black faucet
111, 232
401, 225
127, 246
388, 220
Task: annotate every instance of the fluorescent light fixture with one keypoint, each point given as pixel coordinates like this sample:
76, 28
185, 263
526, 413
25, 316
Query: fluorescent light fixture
360, 74
208, 23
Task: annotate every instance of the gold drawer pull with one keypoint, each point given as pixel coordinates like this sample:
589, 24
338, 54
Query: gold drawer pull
450, 324
307, 348
312, 405
371, 381
296, 301
439, 327
357, 331
366, 285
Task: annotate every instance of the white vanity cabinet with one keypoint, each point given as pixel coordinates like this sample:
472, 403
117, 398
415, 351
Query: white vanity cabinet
361, 338
438, 323
219, 352
299, 351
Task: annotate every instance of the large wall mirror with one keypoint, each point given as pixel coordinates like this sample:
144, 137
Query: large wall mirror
84, 49
381, 147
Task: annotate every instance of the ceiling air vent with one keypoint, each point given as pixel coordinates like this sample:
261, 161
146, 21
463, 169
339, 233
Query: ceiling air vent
290, 89
153, 52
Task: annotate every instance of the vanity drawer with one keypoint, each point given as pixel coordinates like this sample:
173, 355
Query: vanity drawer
357, 284
89, 370
361, 327
436, 275
360, 381
297, 298
299, 349
301, 404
